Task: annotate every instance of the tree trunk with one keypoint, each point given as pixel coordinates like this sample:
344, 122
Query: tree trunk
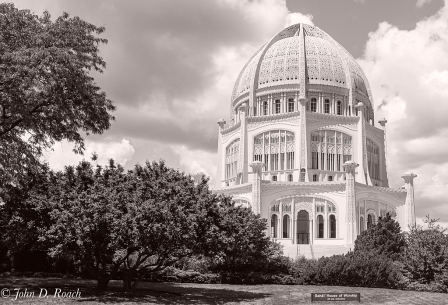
102, 283
127, 281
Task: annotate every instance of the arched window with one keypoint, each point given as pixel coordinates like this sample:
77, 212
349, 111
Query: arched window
243, 203
274, 225
373, 160
330, 150
313, 105
339, 110
332, 226
290, 105
286, 226
320, 226
265, 108
232, 159
275, 149
277, 106
302, 175
303, 229
327, 106
370, 220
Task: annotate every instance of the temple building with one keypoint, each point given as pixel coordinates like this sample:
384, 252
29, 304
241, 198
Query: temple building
302, 150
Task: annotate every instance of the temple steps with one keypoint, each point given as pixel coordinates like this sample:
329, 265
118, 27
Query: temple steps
314, 251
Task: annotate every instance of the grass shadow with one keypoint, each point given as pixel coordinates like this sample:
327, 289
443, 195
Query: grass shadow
148, 292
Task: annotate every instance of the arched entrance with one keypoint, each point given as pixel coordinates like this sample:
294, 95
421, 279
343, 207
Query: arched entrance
320, 226
370, 220
274, 226
286, 226
303, 227
332, 226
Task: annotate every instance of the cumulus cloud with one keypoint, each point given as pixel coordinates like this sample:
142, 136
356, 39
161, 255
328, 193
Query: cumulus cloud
62, 153
196, 161
420, 3
294, 18
408, 73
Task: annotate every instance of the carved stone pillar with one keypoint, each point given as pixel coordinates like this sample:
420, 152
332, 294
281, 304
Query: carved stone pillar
409, 207
350, 217
303, 140
219, 175
242, 160
363, 173
257, 166
384, 173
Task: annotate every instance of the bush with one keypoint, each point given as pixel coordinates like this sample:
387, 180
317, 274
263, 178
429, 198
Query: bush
425, 259
171, 274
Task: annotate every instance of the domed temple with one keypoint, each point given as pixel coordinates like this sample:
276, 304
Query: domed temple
302, 148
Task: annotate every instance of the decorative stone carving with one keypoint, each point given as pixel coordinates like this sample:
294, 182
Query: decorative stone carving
409, 206
289, 117
351, 220
257, 166
229, 132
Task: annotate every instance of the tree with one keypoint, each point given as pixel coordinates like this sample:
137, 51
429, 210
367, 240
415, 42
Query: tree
171, 216
384, 238
87, 218
131, 223
24, 215
46, 91
426, 256
240, 242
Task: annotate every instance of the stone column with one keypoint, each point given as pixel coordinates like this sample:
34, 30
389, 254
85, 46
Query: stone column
257, 166
409, 206
303, 140
243, 151
363, 173
350, 217
383, 170
219, 175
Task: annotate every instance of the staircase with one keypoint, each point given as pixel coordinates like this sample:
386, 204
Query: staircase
313, 251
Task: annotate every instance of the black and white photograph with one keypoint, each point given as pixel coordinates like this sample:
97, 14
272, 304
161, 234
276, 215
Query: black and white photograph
224, 152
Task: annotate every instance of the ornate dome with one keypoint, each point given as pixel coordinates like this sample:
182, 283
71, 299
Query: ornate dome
279, 63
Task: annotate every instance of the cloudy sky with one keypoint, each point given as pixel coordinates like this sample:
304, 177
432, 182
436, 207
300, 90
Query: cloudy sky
171, 65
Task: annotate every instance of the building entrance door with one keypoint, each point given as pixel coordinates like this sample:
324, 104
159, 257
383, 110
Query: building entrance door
303, 227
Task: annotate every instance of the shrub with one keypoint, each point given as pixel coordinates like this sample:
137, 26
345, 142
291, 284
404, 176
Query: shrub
383, 238
425, 260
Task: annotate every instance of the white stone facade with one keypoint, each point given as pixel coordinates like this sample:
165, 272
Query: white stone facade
302, 149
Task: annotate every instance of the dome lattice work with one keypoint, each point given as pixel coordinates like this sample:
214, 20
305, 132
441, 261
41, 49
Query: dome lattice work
278, 63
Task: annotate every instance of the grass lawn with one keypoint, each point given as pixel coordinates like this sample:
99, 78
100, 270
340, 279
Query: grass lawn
173, 293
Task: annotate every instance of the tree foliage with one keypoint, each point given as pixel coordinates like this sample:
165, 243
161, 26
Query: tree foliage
426, 256
46, 91
383, 238
240, 241
25, 214
130, 223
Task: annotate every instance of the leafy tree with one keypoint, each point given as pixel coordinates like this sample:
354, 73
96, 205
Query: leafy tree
46, 91
241, 243
88, 219
383, 238
131, 223
171, 218
426, 256
24, 215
